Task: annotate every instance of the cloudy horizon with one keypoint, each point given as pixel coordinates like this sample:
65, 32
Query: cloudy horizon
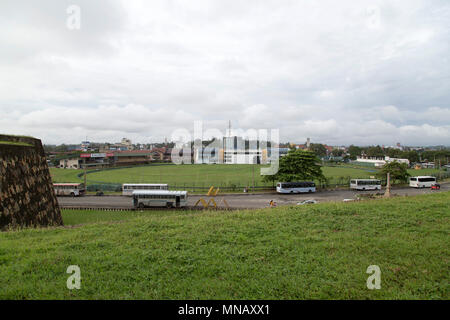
352, 72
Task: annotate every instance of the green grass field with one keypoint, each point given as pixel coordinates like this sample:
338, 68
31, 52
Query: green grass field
304, 252
65, 175
204, 175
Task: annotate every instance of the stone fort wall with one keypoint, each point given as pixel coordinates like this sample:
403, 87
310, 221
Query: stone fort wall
27, 198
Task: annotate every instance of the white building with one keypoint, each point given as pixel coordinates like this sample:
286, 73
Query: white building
85, 145
248, 156
70, 163
239, 151
208, 155
380, 161
388, 159
233, 150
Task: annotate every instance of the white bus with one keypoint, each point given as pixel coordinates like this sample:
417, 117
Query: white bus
128, 188
296, 187
422, 181
69, 189
365, 184
159, 198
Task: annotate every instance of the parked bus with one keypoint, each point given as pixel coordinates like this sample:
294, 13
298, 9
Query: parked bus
365, 184
128, 188
159, 198
69, 189
296, 187
422, 181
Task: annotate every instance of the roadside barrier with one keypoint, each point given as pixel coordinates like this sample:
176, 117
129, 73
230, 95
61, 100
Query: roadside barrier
189, 208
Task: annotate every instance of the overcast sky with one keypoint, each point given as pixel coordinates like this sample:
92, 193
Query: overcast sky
340, 72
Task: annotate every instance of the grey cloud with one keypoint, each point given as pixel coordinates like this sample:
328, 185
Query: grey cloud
144, 68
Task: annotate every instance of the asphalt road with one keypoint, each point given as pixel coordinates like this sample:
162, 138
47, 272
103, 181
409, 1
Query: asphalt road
242, 200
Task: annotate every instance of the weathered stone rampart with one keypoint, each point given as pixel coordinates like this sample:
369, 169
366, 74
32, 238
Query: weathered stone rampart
27, 198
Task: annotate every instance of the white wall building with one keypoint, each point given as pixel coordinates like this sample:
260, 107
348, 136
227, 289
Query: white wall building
85, 145
208, 155
388, 159
380, 161
70, 163
233, 150
238, 151
249, 156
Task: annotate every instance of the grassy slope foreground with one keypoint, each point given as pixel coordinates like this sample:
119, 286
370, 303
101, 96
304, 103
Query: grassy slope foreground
310, 252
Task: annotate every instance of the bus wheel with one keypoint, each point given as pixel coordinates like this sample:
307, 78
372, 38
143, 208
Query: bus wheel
169, 205
72, 194
141, 205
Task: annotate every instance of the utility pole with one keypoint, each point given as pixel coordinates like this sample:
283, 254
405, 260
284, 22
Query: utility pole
85, 177
440, 173
253, 173
387, 193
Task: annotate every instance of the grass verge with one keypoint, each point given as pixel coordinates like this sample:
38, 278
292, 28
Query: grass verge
305, 252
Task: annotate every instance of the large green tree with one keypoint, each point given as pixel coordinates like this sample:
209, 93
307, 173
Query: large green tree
441, 156
354, 151
337, 152
412, 156
375, 152
319, 149
297, 165
393, 153
397, 171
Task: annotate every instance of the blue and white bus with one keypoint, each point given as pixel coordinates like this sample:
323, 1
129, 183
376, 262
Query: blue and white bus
296, 187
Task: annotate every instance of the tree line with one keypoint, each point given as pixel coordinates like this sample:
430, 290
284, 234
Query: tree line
442, 155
